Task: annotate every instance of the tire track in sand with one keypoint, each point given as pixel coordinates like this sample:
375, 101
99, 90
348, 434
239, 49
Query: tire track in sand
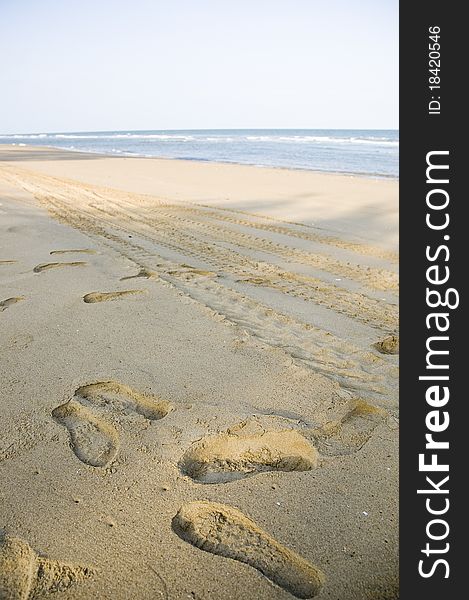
356, 369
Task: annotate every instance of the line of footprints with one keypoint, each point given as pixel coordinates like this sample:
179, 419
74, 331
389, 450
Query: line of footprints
90, 298
387, 345
237, 453
217, 528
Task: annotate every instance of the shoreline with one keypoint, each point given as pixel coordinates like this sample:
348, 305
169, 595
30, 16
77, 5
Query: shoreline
372, 176
360, 208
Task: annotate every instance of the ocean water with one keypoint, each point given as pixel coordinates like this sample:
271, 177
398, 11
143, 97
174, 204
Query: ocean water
355, 151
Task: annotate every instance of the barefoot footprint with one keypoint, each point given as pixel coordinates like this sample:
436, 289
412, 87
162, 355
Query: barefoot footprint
239, 452
225, 531
145, 273
350, 433
235, 454
24, 574
74, 251
4, 304
94, 297
120, 397
56, 265
94, 440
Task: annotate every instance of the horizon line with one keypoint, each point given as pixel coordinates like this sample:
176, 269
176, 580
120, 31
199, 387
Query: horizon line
44, 132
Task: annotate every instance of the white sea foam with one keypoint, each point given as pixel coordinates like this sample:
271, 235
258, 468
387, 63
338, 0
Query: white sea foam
317, 139
29, 136
322, 139
372, 152
120, 136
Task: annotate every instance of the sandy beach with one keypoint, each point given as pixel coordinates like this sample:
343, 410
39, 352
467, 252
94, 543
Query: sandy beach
199, 380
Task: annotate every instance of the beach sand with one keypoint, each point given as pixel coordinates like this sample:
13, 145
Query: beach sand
199, 380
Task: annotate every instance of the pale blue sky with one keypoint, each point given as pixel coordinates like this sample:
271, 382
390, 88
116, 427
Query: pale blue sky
77, 65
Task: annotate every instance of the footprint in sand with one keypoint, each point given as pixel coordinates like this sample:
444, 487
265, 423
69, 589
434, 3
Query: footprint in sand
46, 266
74, 251
94, 297
122, 398
388, 345
4, 304
93, 439
24, 574
145, 273
237, 453
225, 531
350, 433
241, 452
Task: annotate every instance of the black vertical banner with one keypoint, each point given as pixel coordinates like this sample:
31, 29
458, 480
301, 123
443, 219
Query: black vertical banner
434, 254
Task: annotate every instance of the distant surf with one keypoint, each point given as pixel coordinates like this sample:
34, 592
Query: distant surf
354, 151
